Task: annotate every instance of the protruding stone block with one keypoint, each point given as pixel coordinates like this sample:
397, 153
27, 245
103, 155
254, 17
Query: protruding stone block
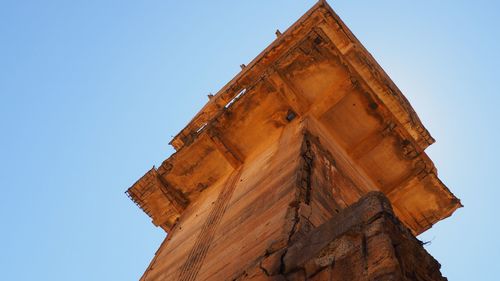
363, 242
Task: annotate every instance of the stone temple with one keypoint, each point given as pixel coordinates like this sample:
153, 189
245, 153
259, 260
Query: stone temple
310, 164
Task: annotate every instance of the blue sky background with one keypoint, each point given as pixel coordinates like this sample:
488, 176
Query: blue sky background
92, 91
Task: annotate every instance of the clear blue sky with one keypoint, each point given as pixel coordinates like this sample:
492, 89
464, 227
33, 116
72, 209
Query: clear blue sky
92, 91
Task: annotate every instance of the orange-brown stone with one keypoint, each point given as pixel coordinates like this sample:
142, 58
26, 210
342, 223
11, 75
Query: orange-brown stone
282, 151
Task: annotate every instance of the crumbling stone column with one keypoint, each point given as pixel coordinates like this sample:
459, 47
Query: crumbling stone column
363, 242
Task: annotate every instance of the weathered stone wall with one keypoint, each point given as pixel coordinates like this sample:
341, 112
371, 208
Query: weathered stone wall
278, 196
291, 213
363, 242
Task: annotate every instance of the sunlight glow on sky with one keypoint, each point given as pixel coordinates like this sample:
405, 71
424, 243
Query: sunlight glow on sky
91, 92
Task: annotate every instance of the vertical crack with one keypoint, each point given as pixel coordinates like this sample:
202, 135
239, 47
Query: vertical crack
304, 190
306, 173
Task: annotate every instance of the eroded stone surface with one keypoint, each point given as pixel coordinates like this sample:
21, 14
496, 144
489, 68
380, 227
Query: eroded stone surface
363, 242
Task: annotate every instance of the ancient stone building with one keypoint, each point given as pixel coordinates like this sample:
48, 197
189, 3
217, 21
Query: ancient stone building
310, 164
